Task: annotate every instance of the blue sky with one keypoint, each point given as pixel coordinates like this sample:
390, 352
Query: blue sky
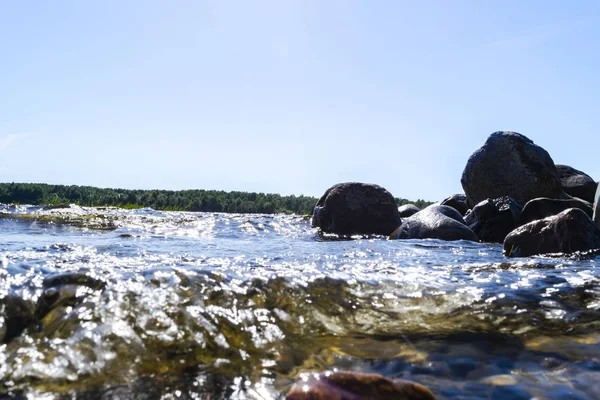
290, 96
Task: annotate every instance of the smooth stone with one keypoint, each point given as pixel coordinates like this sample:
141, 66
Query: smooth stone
493, 219
543, 207
570, 231
510, 164
457, 201
346, 385
576, 183
407, 210
356, 209
434, 222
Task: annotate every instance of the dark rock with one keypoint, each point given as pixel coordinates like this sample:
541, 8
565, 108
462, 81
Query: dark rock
576, 183
457, 201
407, 210
16, 315
82, 278
570, 231
356, 386
356, 209
510, 164
65, 289
434, 222
543, 207
596, 207
493, 219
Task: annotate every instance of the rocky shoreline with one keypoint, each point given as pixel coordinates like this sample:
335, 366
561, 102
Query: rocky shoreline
513, 194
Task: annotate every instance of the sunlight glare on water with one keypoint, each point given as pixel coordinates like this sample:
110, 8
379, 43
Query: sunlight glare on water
193, 305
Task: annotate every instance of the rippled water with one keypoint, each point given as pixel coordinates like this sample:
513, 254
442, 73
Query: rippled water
106, 303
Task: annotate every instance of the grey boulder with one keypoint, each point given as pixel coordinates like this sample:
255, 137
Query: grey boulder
570, 231
493, 219
434, 222
407, 210
458, 202
543, 207
576, 183
356, 209
510, 164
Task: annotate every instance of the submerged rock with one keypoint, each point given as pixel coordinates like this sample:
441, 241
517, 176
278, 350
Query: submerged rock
510, 164
493, 219
458, 202
543, 207
16, 314
434, 222
356, 386
577, 183
407, 210
570, 231
356, 209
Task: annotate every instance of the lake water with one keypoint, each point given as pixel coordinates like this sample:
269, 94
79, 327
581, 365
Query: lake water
136, 304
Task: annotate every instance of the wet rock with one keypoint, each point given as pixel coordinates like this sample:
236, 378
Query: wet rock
596, 207
457, 201
407, 210
82, 278
576, 183
16, 315
510, 164
66, 290
434, 222
570, 231
543, 207
356, 386
493, 219
356, 209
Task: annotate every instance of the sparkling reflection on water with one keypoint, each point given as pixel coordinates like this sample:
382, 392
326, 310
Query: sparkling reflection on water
119, 303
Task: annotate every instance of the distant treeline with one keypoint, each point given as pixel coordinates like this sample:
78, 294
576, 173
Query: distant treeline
180, 200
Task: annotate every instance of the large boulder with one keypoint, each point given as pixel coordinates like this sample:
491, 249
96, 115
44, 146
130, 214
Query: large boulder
570, 231
434, 222
597, 208
458, 202
348, 385
493, 219
356, 209
407, 210
577, 183
543, 207
510, 164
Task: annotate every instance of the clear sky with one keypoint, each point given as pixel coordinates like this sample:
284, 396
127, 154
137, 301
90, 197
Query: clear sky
290, 96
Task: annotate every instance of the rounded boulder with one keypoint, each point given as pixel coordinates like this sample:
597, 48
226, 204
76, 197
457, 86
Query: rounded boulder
493, 219
458, 202
576, 183
356, 209
510, 164
434, 222
407, 210
570, 231
542, 208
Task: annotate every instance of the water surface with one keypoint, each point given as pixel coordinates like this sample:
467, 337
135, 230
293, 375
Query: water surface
148, 304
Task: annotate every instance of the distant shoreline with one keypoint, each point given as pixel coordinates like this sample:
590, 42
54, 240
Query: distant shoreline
167, 200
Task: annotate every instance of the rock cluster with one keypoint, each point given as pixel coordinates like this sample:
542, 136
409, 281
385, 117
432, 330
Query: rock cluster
513, 194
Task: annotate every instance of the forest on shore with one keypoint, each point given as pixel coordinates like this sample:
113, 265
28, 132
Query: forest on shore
169, 200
